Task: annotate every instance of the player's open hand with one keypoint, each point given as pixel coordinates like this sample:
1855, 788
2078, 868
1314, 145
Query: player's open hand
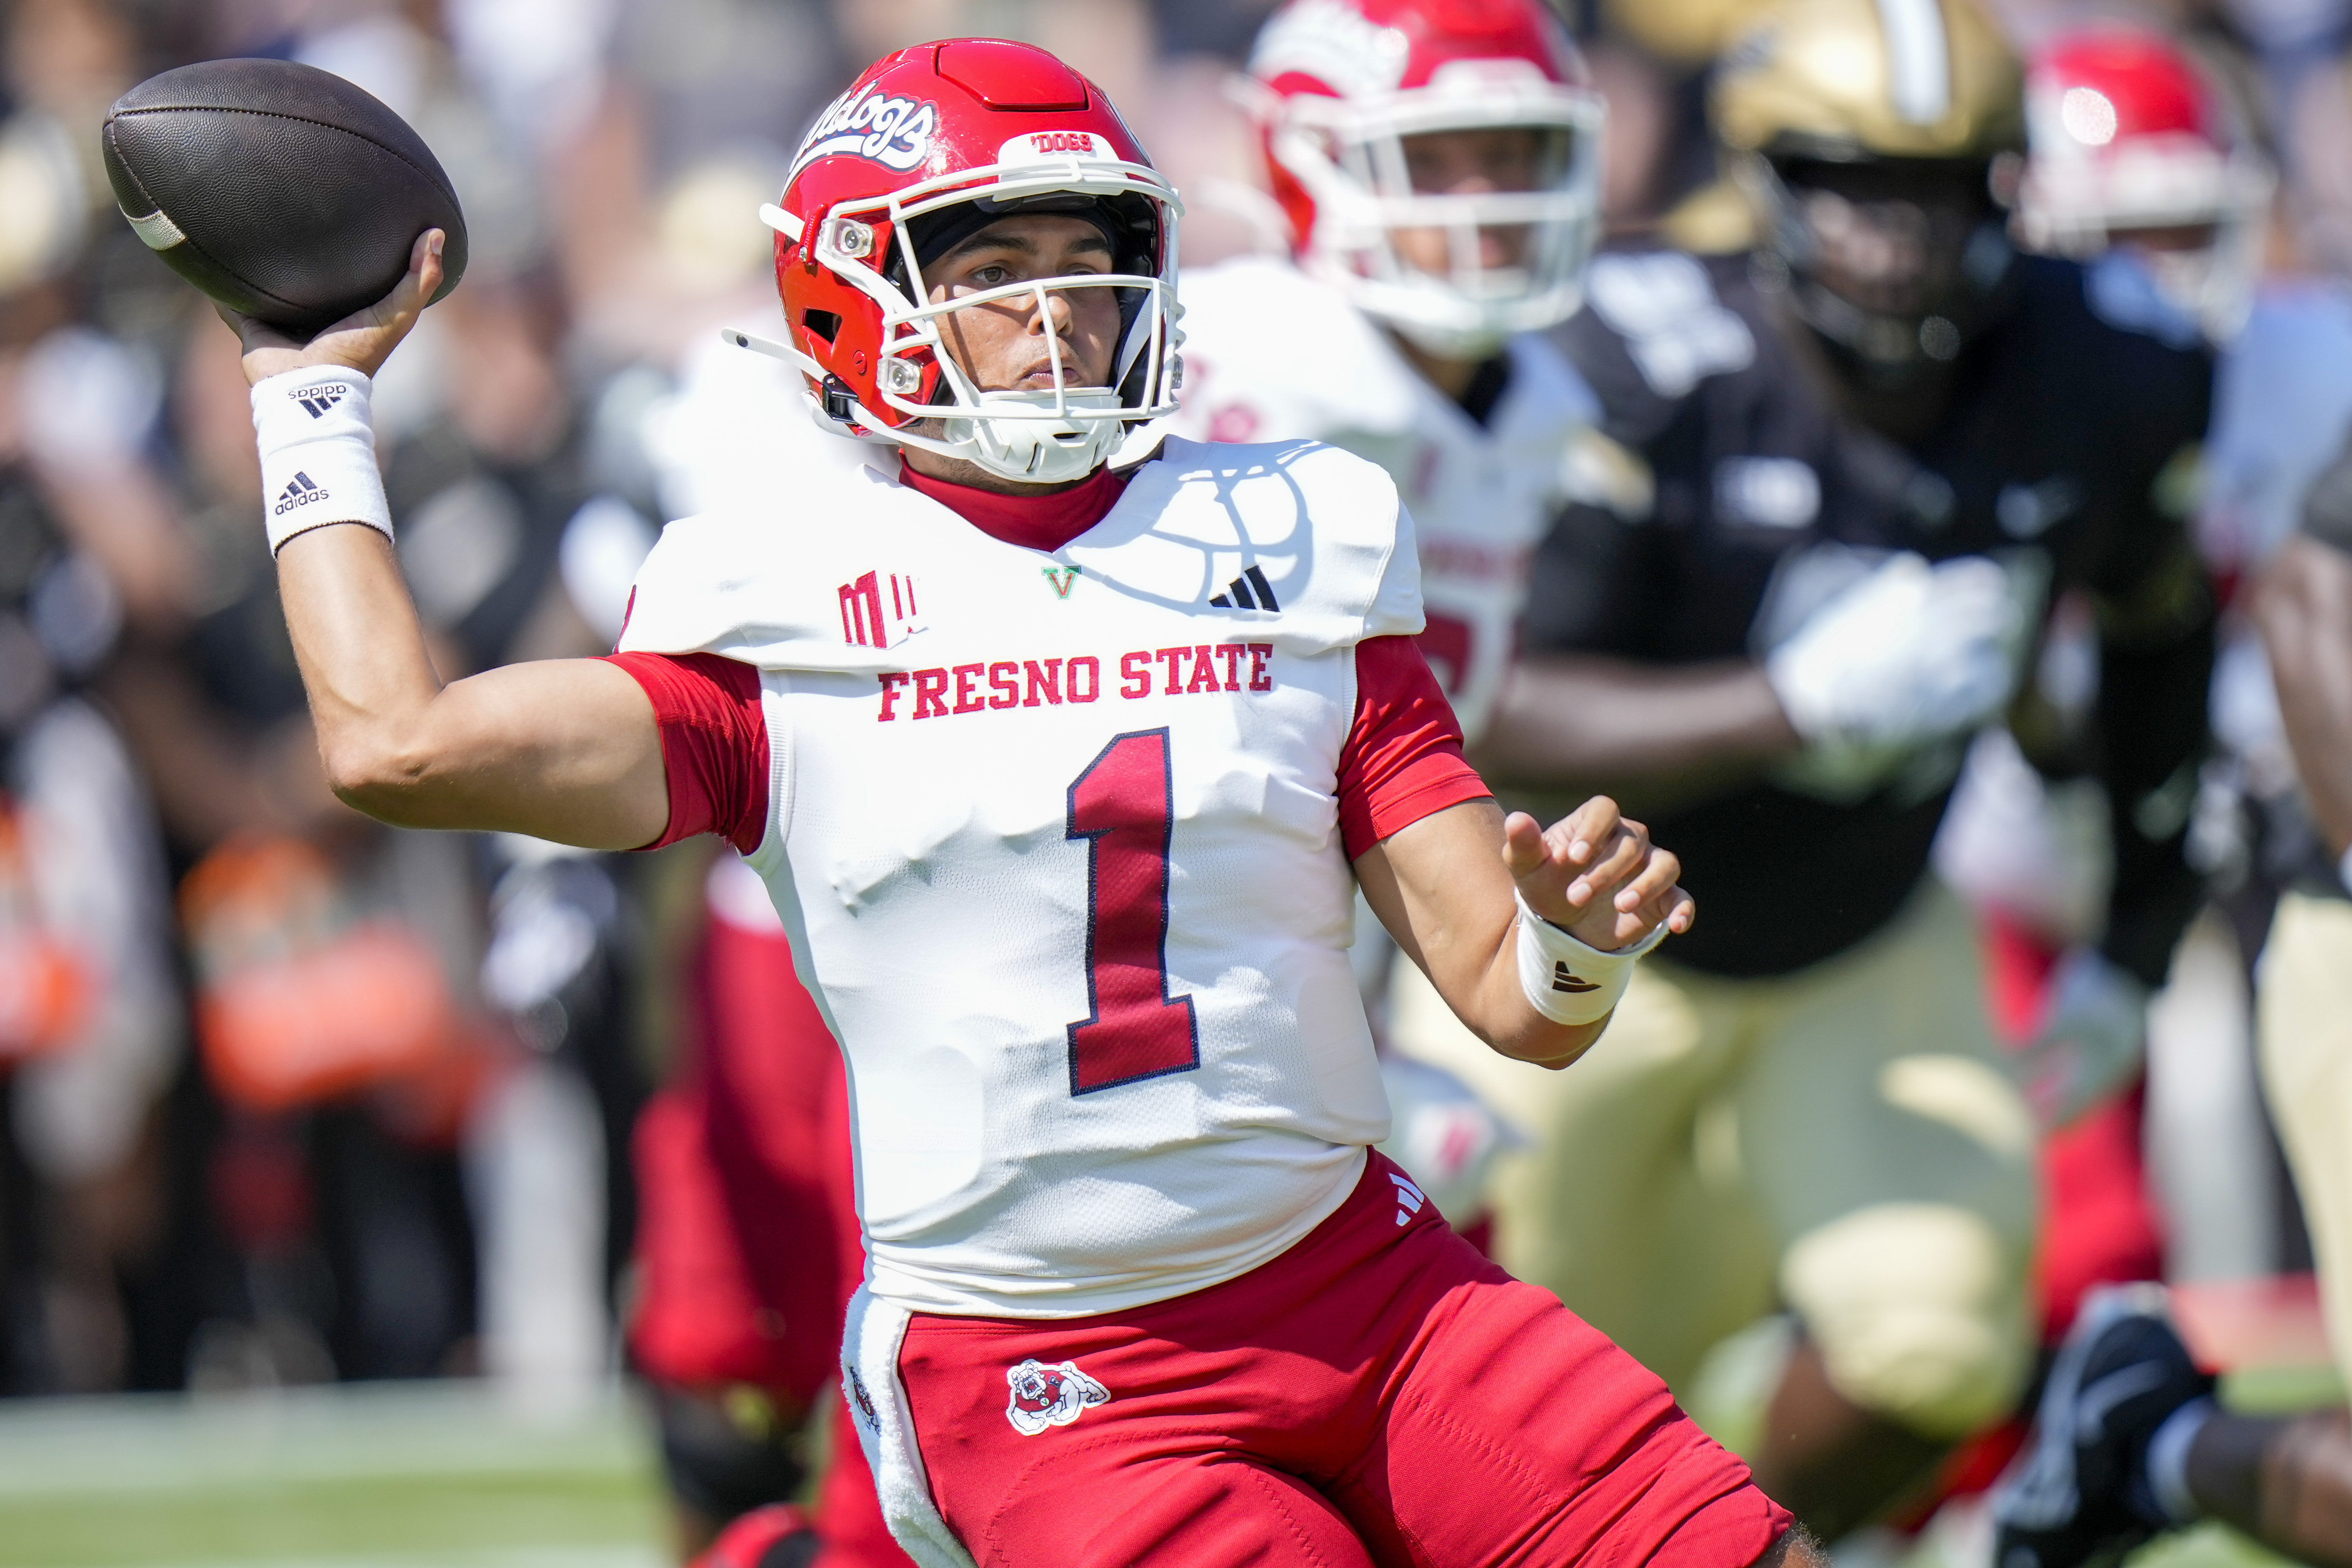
1596, 874
361, 340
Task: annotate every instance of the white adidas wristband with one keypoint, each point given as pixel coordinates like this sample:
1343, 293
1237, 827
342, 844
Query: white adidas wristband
318, 452
1569, 981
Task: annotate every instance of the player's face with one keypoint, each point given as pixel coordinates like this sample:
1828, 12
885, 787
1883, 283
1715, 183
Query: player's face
1888, 237
1002, 344
1508, 158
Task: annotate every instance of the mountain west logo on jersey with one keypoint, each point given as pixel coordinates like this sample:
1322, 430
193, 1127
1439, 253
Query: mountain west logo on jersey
863, 623
895, 132
317, 400
1046, 1396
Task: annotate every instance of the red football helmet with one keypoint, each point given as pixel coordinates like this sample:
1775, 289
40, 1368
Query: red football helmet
2125, 136
1340, 85
929, 144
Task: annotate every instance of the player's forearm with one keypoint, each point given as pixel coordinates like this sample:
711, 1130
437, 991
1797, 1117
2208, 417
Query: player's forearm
563, 748
1469, 950
1586, 718
1510, 1025
1445, 889
2305, 611
361, 653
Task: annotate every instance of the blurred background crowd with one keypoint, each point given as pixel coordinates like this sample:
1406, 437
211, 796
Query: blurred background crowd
288, 1097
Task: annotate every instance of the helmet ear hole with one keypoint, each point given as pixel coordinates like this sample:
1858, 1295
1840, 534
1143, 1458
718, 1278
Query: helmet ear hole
825, 324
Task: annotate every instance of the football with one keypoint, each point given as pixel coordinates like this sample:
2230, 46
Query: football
280, 190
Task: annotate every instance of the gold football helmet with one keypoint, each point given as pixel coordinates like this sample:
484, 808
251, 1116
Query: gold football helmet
1864, 133
1688, 33
1848, 80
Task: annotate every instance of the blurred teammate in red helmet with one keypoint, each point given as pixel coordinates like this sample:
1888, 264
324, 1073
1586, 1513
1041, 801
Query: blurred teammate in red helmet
1065, 828
2130, 147
1438, 163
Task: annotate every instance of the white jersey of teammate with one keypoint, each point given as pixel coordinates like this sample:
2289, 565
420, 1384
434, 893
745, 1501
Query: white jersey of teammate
1270, 354
1055, 838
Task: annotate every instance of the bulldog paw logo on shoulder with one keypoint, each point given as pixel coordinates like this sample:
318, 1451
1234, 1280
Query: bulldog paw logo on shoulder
1046, 1396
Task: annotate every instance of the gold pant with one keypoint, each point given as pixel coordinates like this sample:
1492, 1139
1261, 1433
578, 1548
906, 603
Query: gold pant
2303, 1020
1843, 1141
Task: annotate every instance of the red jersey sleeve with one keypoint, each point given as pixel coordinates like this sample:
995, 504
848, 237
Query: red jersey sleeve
714, 742
1403, 760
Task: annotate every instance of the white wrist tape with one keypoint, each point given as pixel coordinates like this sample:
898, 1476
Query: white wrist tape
318, 452
1567, 981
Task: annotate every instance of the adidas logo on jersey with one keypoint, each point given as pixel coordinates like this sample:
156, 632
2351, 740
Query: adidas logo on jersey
319, 399
302, 492
1562, 979
1409, 1198
1250, 591
863, 621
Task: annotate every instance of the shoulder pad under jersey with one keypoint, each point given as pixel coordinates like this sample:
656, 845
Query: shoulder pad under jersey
1270, 353
1323, 526
764, 587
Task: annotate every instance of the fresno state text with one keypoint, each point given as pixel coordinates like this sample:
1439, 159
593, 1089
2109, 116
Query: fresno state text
1190, 669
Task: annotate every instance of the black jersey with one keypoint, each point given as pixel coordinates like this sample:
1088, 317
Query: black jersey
2056, 454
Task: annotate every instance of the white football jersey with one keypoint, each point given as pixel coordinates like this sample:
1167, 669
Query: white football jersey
1272, 355
1057, 842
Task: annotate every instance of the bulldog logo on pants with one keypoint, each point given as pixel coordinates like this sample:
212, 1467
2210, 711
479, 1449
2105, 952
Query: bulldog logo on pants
1046, 1396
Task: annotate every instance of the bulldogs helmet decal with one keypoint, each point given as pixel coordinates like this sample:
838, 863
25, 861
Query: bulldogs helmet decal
1046, 1396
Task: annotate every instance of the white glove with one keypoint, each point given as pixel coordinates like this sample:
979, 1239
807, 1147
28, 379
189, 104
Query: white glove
1911, 653
2091, 1039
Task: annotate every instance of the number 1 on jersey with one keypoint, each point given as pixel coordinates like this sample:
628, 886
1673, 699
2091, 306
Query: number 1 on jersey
1123, 804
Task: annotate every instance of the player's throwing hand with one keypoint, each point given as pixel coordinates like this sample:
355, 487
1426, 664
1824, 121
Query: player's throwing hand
1595, 874
361, 340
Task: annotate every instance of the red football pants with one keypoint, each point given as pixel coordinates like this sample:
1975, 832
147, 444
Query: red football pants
1378, 1393
747, 1242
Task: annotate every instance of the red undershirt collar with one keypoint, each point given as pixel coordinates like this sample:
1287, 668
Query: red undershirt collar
1045, 522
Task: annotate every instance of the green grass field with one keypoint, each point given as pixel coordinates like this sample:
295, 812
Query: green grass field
450, 1476
420, 1476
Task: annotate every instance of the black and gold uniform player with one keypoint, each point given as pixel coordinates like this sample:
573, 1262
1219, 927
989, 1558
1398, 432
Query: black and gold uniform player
1849, 472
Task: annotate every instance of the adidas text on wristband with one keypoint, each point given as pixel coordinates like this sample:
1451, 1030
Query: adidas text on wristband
1567, 981
318, 452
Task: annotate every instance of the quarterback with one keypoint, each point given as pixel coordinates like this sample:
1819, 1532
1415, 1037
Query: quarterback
1065, 834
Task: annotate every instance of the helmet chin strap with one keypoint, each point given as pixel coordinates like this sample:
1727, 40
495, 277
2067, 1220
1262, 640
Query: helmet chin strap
1029, 451
1036, 451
